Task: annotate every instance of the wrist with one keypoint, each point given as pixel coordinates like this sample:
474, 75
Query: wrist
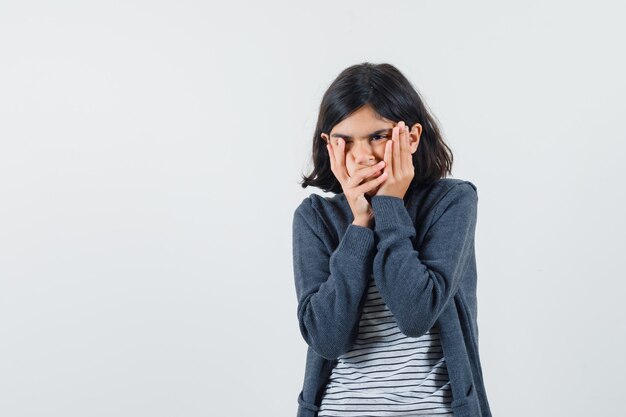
363, 222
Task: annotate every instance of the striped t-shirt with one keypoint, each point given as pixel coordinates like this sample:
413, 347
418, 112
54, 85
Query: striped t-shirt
387, 373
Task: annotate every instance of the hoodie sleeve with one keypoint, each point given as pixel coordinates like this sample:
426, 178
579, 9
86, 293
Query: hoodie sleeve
329, 286
416, 286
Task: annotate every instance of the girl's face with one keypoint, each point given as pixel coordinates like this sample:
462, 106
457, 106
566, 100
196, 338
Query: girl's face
365, 134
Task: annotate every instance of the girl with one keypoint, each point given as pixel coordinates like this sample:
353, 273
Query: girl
385, 270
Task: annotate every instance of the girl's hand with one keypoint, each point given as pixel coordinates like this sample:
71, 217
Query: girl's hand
354, 186
398, 163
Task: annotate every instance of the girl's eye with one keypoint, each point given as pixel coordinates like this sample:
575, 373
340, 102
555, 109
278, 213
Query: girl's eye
374, 138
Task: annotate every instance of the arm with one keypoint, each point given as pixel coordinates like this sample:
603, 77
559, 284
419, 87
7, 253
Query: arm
416, 286
329, 287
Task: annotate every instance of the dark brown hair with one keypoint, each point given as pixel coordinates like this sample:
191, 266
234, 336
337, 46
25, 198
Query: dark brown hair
391, 95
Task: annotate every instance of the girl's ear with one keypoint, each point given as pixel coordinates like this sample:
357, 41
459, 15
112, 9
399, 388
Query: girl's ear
414, 138
325, 137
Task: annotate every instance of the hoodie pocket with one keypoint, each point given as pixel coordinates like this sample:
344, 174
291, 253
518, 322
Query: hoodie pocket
467, 406
306, 404
469, 396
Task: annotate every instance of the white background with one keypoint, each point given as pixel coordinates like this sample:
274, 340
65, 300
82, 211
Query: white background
150, 154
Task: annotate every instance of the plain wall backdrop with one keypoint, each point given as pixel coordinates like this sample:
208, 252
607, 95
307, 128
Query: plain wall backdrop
150, 154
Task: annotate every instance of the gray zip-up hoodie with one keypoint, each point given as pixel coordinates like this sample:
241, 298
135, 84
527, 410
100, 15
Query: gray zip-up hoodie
421, 252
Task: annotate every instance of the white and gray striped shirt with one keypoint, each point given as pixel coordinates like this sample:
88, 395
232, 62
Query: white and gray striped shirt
387, 373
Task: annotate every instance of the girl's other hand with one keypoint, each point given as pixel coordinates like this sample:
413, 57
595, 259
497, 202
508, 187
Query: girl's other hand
355, 186
399, 163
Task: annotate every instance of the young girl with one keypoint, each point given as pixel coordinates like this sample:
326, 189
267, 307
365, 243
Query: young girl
385, 270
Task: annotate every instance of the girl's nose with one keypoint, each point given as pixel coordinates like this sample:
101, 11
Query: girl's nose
366, 161
363, 154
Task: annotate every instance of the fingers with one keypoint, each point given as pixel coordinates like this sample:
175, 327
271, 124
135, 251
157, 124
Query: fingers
388, 157
364, 173
333, 164
331, 157
338, 160
370, 185
397, 161
408, 155
404, 146
337, 157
